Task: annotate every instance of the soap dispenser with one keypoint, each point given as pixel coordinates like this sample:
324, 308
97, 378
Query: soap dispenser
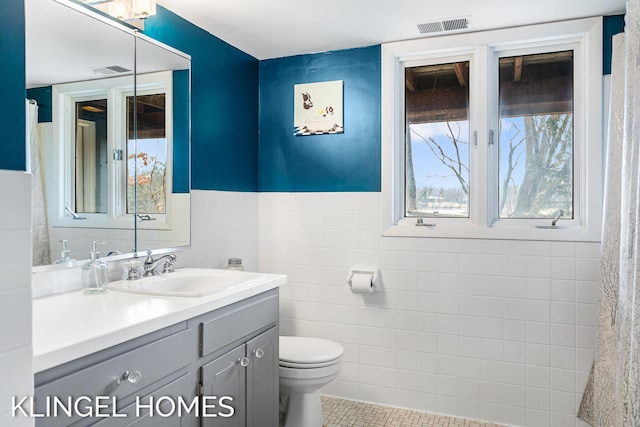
94, 272
65, 254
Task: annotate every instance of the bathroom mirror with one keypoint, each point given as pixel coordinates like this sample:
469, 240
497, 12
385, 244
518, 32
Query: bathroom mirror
112, 134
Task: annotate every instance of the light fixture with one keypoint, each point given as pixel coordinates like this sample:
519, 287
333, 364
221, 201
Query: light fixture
142, 9
92, 109
125, 10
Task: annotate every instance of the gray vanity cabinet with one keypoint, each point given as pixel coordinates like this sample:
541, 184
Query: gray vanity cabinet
182, 386
262, 379
239, 351
231, 351
226, 377
138, 369
249, 375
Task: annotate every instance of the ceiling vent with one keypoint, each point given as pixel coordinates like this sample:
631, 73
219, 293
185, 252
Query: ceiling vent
453, 24
111, 70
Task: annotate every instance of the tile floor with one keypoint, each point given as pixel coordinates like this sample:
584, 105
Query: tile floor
342, 413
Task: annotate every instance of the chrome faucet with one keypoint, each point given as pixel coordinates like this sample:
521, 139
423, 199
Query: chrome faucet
150, 264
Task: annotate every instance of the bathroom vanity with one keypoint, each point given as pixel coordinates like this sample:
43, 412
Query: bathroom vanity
129, 359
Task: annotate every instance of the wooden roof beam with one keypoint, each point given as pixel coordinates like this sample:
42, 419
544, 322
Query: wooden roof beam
460, 69
410, 79
517, 69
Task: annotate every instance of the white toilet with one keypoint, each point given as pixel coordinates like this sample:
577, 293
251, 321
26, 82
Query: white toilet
306, 365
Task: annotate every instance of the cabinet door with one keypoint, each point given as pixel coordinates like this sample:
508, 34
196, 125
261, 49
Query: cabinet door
262, 380
225, 376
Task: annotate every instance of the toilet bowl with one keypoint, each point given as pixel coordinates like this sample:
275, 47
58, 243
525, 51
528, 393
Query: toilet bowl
306, 365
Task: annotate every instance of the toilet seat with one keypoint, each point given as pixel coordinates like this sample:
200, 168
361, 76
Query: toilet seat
308, 365
308, 353
309, 374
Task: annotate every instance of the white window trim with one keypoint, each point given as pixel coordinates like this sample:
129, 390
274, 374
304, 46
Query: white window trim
148, 84
116, 90
587, 34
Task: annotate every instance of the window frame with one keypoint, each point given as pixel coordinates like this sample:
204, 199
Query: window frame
577, 148
585, 38
115, 90
151, 86
437, 59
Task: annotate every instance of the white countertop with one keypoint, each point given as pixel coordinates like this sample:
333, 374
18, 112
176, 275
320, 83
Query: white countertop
72, 325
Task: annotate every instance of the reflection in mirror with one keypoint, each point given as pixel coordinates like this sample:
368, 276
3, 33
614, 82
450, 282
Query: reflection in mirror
84, 91
161, 148
64, 45
91, 184
147, 155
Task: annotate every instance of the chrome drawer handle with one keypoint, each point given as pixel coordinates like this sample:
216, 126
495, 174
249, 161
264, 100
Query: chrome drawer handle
132, 376
258, 353
244, 361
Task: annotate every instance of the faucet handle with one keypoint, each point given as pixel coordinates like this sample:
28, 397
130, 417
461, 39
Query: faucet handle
168, 266
133, 272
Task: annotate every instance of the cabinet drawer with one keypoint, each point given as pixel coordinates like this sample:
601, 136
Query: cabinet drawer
237, 324
162, 415
154, 361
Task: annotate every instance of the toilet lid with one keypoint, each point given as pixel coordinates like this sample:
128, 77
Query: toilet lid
306, 350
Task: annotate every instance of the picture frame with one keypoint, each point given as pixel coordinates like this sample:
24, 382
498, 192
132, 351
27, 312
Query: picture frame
318, 108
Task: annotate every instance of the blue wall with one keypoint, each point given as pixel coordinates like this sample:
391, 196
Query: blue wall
612, 25
343, 162
336, 162
181, 131
224, 105
12, 86
44, 97
224, 134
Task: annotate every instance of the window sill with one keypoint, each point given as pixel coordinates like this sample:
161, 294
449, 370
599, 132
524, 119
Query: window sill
467, 230
122, 223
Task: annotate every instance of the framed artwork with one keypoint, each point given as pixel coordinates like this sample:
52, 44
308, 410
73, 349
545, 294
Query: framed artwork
317, 108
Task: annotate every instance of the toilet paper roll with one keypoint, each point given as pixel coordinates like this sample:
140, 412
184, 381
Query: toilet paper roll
362, 283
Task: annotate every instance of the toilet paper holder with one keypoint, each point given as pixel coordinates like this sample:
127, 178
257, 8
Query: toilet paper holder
375, 276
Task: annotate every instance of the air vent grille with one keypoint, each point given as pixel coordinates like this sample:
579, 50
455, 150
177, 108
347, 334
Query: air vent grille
456, 24
118, 69
111, 70
430, 27
453, 24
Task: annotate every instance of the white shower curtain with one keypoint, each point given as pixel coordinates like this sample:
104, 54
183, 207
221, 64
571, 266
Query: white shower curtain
39, 229
611, 397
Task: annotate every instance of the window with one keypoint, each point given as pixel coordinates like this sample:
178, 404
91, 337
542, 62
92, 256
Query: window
535, 137
111, 157
147, 154
495, 134
91, 184
437, 140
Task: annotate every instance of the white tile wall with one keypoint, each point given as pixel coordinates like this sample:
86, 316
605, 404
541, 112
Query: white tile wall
494, 330
57, 280
16, 352
179, 233
224, 225
121, 239
80, 241
487, 329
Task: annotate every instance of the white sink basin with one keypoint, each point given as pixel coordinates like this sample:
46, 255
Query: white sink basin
187, 282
